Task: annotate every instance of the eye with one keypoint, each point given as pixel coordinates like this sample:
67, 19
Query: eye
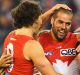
68, 24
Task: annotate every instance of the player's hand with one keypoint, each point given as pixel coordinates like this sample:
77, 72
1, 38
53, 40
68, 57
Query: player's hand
78, 49
2, 71
57, 6
5, 59
78, 53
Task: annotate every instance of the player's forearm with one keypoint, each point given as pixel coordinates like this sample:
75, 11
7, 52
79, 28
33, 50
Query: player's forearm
46, 16
47, 69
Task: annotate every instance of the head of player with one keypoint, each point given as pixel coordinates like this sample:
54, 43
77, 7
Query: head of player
27, 15
61, 23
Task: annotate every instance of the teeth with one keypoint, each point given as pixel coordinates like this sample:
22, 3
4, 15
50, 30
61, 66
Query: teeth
61, 31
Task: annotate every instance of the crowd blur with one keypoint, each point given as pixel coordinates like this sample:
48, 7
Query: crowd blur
6, 22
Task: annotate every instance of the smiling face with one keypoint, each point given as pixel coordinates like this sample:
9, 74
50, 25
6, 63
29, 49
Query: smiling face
61, 25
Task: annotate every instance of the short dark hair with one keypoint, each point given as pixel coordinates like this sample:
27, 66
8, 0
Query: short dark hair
26, 13
66, 11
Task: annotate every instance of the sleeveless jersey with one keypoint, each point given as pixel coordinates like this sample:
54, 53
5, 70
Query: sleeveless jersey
15, 44
61, 54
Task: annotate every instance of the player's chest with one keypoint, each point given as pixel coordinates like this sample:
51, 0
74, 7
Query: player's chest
61, 51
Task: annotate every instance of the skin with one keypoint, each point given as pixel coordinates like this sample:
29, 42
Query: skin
36, 54
5, 61
61, 26
44, 18
33, 49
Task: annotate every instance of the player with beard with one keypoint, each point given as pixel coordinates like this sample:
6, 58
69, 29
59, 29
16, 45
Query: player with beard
59, 44
25, 50
21, 43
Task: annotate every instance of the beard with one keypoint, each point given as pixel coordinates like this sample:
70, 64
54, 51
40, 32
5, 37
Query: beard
59, 37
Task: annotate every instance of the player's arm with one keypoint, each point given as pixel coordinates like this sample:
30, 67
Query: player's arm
33, 51
78, 43
48, 13
78, 48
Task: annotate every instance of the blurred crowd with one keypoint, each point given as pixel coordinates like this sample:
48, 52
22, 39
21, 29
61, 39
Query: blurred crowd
6, 22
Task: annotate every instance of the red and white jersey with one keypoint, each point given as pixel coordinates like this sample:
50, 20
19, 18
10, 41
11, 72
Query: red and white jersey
61, 54
15, 44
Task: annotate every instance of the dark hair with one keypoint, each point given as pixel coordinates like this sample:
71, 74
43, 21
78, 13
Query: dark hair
66, 11
26, 13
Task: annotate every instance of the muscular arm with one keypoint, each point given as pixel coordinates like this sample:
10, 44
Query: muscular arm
33, 51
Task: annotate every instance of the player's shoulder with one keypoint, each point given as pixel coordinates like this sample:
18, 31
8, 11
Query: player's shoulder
43, 33
32, 43
72, 35
77, 35
33, 46
10, 35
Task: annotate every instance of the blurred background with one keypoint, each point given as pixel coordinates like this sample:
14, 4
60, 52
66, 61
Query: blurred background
6, 23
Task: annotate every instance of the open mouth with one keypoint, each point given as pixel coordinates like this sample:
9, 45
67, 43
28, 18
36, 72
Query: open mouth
61, 33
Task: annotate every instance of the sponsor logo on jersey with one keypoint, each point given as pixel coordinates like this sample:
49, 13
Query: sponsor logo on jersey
48, 53
68, 52
12, 39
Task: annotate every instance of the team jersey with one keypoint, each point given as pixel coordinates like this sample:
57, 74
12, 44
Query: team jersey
15, 44
61, 54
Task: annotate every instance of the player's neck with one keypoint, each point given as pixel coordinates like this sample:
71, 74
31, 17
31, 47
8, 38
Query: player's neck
25, 31
51, 32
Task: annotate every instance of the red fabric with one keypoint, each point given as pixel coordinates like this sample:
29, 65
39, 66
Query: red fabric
64, 51
21, 66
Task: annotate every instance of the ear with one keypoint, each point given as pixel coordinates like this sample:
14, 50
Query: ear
35, 24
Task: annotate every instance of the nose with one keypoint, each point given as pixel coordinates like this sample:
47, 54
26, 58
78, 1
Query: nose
64, 26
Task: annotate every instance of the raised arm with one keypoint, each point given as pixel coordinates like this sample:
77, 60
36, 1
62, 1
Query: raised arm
45, 16
33, 51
